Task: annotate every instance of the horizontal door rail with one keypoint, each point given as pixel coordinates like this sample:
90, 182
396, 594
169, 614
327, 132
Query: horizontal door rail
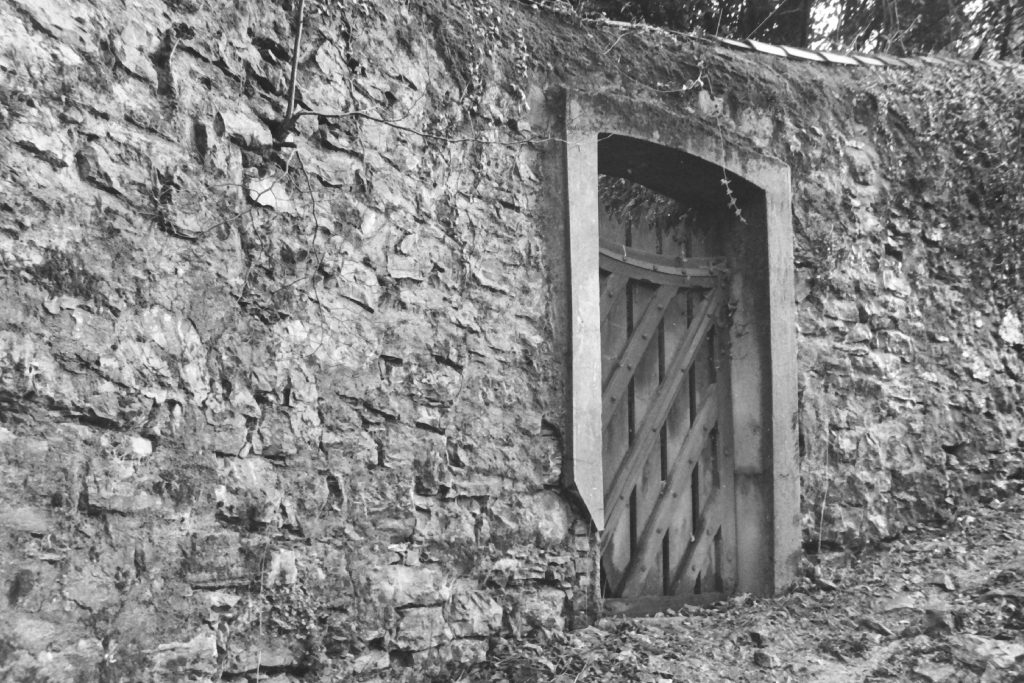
660, 269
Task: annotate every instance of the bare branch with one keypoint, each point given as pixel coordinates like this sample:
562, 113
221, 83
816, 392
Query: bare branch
296, 44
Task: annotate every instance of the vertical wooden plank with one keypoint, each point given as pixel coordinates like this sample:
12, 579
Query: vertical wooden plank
723, 452
616, 433
696, 506
614, 337
616, 555
615, 439
677, 425
610, 228
647, 379
700, 380
711, 475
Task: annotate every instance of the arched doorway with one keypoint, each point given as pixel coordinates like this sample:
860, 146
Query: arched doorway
683, 389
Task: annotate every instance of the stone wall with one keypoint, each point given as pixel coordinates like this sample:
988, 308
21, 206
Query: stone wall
293, 402
285, 408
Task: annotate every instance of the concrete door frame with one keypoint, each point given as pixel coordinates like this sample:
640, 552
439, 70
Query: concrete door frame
767, 476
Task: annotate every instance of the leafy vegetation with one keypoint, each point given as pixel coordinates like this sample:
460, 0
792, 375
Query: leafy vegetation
969, 28
965, 165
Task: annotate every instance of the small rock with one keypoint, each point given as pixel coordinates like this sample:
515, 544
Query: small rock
862, 164
412, 586
944, 580
859, 333
544, 609
765, 659
261, 655
66, 21
937, 620
25, 519
358, 283
422, 627
933, 235
373, 660
895, 283
132, 48
20, 586
51, 147
876, 626
825, 584
1010, 329
282, 568
196, 656
242, 129
141, 447
983, 653
95, 166
846, 311
270, 192
469, 650
475, 614
936, 673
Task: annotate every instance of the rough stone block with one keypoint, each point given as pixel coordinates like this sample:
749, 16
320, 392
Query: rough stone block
420, 628
242, 128
469, 650
544, 608
406, 586
474, 613
541, 518
195, 657
264, 653
214, 559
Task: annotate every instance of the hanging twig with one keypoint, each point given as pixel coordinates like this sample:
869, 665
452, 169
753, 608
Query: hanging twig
828, 484
771, 15
296, 44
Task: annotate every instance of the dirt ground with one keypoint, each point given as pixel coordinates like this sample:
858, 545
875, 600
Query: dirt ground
931, 605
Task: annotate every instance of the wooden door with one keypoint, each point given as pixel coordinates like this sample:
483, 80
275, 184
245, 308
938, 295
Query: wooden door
669, 533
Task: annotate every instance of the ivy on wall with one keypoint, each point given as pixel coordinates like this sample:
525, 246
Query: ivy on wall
953, 136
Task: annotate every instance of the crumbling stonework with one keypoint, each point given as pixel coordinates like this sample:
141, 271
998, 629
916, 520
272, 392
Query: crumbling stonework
293, 403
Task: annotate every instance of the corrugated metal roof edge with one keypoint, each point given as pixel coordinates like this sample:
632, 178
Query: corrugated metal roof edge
853, 58
828, 57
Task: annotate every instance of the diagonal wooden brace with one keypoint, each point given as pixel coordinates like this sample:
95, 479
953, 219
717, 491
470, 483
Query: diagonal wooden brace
649, 431
671, 493
643, 335
703, 533
614, 286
